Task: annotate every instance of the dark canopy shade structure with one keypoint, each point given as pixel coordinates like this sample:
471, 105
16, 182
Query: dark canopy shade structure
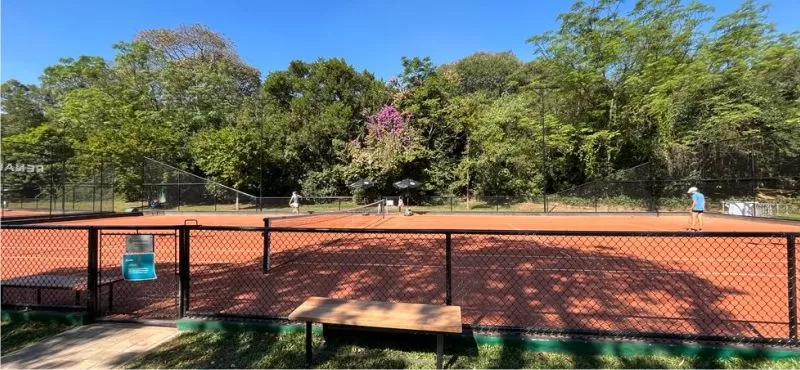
407, 184
361, 184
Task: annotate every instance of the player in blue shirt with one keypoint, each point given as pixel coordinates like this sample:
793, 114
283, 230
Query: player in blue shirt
697, 209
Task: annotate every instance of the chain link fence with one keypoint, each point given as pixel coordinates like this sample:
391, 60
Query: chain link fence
743, 179
703, 286
56, 180
169, 188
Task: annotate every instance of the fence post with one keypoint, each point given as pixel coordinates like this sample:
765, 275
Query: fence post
791, 266
92, 273
215, 197
448, 269
183, 269
754, 183
102, 169
265, 261
179, 191
63, 184
596, 196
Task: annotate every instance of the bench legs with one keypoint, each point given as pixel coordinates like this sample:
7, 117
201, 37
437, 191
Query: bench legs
309, 353
110, 297
439, 350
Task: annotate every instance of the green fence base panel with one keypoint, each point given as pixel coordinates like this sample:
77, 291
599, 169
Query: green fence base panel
600, 347
70, 318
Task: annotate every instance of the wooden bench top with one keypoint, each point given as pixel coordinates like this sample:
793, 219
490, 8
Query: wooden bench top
386, 315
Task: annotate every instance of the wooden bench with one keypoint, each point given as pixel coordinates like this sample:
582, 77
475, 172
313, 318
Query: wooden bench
383, 315
59, 282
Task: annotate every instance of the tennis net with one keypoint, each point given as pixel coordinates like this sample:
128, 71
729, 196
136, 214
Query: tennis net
361, 216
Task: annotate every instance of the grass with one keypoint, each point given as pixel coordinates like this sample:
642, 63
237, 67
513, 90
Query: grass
44, 205
271, 350
16, 335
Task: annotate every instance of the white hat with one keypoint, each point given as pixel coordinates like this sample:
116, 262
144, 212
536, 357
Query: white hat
692, 190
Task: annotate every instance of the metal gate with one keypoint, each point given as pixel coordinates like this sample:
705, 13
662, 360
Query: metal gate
150, 299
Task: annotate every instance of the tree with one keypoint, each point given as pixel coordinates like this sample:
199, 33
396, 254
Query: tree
21, 107
315, 109
493, 74
388, 144
650, 84
70, 74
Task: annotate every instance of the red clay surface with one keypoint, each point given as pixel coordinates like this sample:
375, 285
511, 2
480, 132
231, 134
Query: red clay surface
689, 284
488, 221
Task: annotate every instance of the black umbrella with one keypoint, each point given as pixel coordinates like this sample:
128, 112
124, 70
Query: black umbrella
361, 184
407, 184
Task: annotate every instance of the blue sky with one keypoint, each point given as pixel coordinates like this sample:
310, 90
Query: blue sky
369, 34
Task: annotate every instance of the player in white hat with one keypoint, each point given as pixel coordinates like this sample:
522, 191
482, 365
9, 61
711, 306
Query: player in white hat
697, 209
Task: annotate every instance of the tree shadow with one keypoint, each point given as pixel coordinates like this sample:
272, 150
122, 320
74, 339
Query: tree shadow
544, 284
208, 350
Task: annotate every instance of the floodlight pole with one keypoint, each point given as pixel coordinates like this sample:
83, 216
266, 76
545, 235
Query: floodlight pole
261, 156
544, 142
63, 150
544, 151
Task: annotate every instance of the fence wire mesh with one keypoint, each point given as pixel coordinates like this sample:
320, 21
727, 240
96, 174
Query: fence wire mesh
43, 267
151, 299
723, 286
39, 181
720, 286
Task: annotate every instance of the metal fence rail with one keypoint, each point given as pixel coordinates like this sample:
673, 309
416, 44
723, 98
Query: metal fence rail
738, 287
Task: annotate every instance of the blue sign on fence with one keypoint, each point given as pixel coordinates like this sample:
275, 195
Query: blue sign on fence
139, 266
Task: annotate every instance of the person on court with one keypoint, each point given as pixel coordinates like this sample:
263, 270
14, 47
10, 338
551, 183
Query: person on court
294, 202
697, 209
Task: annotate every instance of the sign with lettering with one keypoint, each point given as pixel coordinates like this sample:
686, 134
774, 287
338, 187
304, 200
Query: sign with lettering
139, 266
22, 167
139, 244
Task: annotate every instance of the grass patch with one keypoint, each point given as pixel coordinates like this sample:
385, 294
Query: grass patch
272, 350
16, 335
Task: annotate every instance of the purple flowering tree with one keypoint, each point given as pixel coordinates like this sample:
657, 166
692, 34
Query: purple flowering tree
389, 125
388, 141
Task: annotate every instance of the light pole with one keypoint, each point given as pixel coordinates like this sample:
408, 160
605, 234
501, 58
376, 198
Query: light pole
63, 150
544, 142
261, 157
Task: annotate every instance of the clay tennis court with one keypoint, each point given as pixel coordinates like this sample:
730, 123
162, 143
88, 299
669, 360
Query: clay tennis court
481, 221
559, 279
